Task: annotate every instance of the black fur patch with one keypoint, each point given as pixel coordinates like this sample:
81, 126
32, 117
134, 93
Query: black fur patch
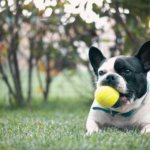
144, 56
136, 80
96, 58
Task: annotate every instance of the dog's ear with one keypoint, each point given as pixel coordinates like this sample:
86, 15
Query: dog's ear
144, 56
96, 58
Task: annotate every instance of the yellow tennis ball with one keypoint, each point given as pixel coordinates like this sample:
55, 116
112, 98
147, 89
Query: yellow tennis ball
106, 96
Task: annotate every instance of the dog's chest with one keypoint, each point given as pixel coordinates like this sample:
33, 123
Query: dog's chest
122, 122
116, 121
140, 117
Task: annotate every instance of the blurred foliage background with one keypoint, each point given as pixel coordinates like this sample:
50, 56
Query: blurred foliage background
44, 44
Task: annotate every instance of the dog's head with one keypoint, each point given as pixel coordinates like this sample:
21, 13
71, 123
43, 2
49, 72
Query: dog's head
126, 74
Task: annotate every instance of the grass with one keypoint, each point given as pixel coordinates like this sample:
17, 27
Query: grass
60, 124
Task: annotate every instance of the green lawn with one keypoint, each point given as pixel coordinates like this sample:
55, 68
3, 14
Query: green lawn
60, 124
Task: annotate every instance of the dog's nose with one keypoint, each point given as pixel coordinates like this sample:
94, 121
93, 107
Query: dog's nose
110, 78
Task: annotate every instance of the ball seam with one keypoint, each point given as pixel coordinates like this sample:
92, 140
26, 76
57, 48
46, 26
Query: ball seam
108, 97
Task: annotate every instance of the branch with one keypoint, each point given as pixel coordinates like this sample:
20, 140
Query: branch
120, 21
5, 79
38, 75
30, 71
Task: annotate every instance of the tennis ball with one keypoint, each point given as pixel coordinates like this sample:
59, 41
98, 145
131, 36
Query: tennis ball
106, 96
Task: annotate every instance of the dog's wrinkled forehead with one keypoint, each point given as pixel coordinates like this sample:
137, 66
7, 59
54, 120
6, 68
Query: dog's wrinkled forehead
108, 65
111, 65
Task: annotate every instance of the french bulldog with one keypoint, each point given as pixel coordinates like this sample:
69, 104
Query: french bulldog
129, 76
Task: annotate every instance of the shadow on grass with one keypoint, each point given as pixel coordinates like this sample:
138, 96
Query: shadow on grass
53, 104
57, 110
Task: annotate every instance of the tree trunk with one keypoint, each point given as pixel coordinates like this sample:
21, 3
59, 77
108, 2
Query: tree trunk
30, 79
13, 65
48, 78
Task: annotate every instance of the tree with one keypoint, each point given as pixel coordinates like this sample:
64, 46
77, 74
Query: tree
13, 29
51, 43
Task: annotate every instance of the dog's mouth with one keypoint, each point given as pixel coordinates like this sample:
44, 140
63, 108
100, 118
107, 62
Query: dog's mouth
125, 97
123, 100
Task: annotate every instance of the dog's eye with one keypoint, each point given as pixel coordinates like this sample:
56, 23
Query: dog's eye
101, 73
127, 71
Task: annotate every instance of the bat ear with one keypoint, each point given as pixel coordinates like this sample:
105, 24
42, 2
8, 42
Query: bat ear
144, 56
95, 57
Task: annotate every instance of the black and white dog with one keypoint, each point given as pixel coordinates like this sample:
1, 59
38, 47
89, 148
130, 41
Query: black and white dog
128, 75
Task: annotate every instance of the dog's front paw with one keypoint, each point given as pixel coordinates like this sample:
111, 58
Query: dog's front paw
93, 129
146, 129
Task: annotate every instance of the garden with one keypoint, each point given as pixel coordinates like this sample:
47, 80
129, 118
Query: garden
46, 81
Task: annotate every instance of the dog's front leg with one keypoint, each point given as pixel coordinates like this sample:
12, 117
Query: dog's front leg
92, 127
146, 129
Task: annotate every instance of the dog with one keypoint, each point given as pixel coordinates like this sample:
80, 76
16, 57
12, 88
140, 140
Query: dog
128, 75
